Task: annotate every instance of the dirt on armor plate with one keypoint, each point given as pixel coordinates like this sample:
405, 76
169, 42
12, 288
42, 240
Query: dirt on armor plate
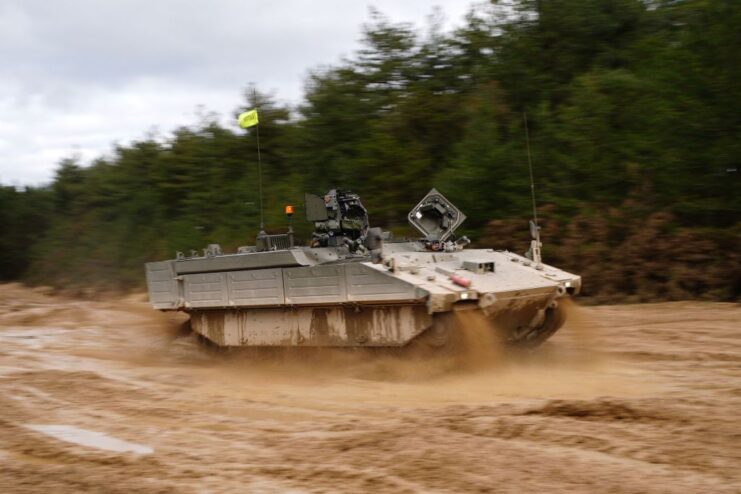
113, 397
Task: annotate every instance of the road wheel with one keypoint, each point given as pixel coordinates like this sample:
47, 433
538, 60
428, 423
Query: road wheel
438, 338
554, 319
441, 332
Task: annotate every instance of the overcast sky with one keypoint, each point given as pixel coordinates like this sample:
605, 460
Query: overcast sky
77, 76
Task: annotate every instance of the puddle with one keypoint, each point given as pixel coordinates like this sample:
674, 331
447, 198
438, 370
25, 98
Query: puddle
91, 439
35, 339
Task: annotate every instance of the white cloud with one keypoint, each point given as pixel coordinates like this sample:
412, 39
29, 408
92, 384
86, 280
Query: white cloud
78, 75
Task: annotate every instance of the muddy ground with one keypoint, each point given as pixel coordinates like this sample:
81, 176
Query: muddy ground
111, 397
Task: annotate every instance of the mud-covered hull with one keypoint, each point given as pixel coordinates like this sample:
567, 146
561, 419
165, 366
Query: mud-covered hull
358, 302
390, 325
365, 326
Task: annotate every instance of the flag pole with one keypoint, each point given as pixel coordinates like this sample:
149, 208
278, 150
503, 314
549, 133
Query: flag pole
248, 119
259, 179
259, 168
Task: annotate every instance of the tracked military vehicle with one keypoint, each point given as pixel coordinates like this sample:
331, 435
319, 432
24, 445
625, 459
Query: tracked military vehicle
354, 286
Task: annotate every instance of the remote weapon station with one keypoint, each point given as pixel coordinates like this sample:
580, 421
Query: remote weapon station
352, 286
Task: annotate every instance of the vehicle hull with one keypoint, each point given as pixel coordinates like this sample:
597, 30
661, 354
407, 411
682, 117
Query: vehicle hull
313, 302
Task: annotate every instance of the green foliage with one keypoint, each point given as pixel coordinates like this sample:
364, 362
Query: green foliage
633, 112
24, 217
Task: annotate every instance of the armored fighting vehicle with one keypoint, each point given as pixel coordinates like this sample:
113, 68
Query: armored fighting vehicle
354, 286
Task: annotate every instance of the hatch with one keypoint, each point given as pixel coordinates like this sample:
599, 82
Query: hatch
435, 217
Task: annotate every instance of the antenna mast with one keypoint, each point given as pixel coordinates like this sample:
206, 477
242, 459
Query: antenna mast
530, 165
535, 244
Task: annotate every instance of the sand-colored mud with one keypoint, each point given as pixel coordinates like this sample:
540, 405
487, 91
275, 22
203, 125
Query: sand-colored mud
642, 398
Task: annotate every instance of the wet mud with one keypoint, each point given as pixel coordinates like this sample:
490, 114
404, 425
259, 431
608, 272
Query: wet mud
111, 396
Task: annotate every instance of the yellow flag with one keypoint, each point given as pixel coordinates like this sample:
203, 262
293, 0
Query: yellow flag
248, 119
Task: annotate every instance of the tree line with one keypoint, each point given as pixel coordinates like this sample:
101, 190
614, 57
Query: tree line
633, 113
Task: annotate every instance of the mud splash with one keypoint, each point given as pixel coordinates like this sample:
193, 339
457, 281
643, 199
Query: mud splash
481, 344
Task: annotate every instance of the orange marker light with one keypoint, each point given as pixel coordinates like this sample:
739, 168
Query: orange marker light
289, 210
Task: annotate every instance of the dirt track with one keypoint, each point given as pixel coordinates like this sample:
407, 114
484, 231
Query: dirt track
641, 398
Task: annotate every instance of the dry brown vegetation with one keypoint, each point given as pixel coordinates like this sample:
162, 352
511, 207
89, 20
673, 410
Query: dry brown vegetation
624, 257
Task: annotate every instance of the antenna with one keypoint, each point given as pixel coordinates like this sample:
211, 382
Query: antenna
530, 165
535, 244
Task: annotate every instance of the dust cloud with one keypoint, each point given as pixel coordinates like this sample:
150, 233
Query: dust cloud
626, 399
